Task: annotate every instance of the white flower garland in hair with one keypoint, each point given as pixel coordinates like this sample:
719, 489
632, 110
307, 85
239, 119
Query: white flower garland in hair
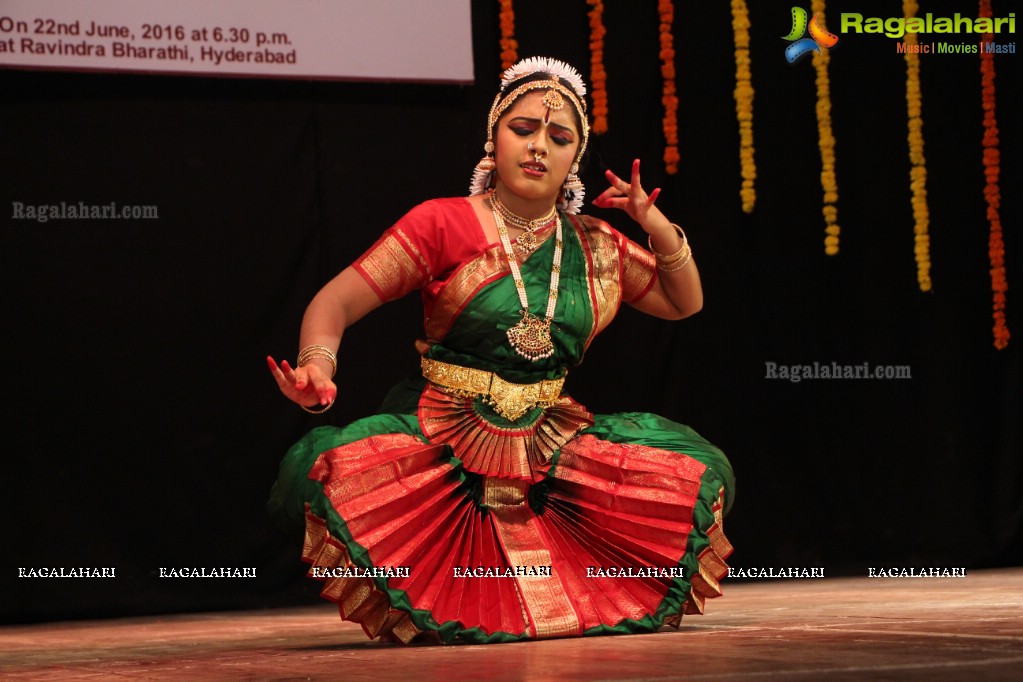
554, 67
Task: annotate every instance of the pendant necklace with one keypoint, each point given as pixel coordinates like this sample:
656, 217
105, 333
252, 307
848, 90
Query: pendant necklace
531, 337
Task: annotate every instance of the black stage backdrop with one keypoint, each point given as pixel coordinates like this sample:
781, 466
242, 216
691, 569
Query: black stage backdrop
142, 429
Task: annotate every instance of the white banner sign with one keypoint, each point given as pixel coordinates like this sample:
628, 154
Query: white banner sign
407, 40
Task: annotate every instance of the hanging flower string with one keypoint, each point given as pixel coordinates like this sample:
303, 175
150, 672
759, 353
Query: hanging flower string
826, 141
598, 77
992, 193
509, 46
669, 99
744, 103
918, 173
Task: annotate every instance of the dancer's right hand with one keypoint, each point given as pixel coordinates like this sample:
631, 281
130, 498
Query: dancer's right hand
307, 385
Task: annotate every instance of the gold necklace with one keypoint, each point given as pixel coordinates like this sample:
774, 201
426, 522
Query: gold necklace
531, 337
526, 242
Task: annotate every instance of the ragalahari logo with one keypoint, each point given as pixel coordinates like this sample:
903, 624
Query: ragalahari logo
819, 36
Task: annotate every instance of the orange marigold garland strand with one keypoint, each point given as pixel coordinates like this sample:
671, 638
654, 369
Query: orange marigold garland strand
826, 141
598, 77
918, 173
669, 99
744, 103
992, 193
509, 46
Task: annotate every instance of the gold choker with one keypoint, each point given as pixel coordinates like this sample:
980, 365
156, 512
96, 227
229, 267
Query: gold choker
526, 242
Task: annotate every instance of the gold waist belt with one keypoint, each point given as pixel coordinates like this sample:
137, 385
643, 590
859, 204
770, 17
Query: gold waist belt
509, 400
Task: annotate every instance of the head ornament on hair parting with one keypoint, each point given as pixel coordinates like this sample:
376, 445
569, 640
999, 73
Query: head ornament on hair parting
558, 74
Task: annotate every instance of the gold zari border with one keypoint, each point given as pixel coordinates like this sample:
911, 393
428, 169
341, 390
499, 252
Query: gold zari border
712, 567
516, 451
603, 270
639, 270
390, 268
460, 289
551, 613
358, 599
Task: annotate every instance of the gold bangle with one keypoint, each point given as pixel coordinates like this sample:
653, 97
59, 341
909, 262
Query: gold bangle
308, 357
318, 351
672, 258
681, 263
321, 410
316, 346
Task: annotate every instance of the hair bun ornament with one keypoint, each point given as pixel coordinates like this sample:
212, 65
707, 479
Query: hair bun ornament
552, 67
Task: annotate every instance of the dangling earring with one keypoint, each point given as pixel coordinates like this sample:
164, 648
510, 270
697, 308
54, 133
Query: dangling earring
484, 171
572, 192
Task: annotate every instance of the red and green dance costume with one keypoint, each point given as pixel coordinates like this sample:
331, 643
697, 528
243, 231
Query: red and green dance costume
557, 501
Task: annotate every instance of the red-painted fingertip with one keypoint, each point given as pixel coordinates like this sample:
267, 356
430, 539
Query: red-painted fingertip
653, 196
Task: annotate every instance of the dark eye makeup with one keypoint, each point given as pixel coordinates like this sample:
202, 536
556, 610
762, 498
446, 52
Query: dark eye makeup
526, 130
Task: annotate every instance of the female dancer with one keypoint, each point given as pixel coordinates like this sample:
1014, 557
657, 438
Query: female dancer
482, 503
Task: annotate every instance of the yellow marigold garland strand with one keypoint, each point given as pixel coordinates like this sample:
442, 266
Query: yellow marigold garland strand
918, 173
744, 103
598, 77
669, 98
992, 192
509, 46
826, 141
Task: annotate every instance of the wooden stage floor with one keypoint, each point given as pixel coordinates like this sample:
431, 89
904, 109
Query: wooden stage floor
832, 629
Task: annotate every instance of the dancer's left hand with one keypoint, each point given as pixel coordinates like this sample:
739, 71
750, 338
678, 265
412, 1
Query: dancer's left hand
633, 199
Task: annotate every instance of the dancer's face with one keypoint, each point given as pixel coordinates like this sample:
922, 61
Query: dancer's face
553, 134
